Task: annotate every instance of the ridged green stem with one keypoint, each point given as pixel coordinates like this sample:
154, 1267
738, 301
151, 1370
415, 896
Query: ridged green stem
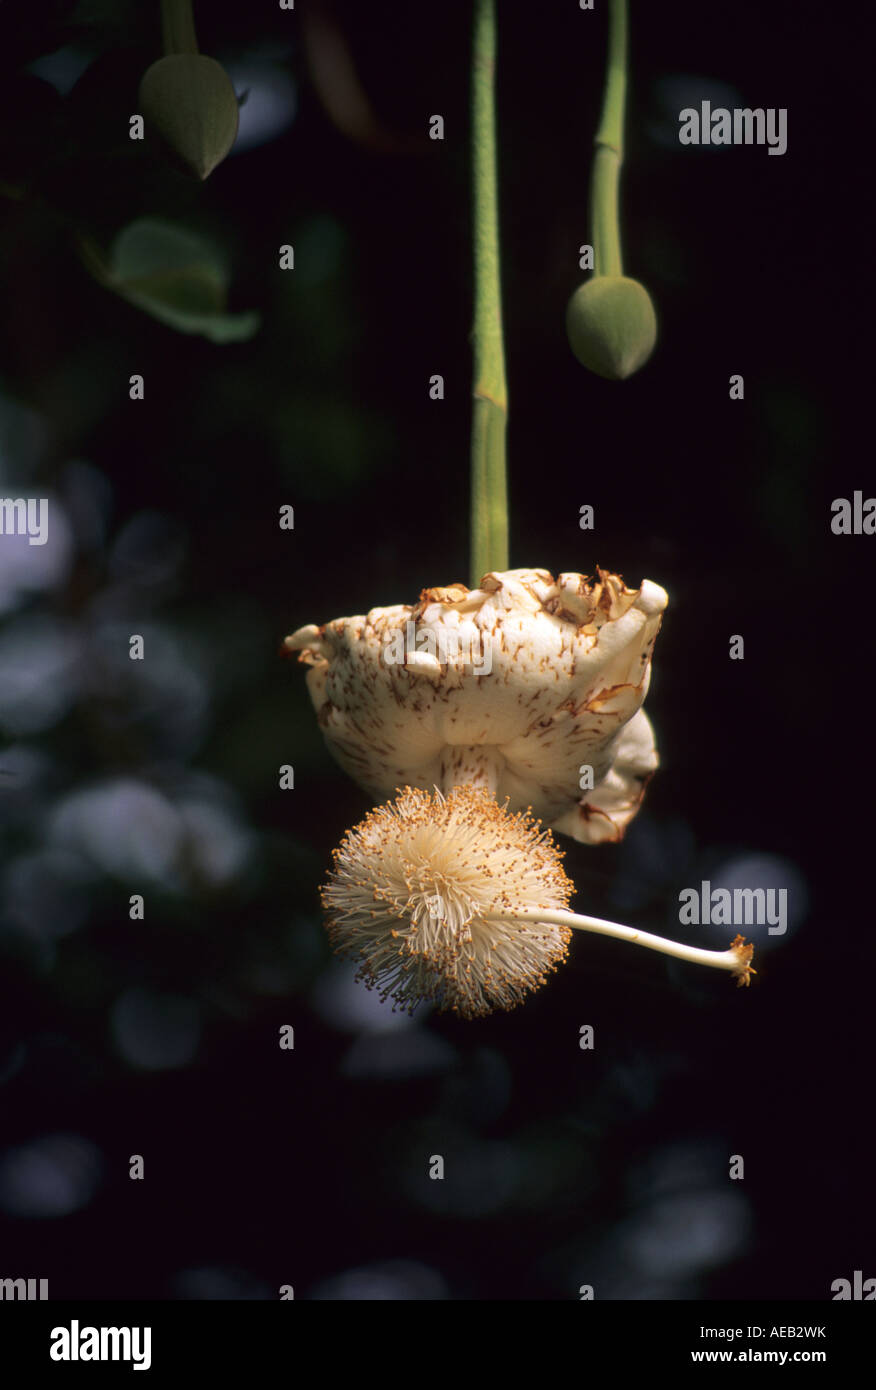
489, 486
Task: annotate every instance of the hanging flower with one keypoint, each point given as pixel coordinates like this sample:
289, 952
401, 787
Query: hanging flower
485, 705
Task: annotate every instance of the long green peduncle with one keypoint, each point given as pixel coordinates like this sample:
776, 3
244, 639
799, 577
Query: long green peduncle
489, 486
605, 231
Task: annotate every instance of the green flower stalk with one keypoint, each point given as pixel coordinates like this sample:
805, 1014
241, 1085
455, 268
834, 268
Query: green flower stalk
605, 179
178, 27
610, 319
489, 486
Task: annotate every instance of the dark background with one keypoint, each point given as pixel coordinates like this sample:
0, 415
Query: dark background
160, 1037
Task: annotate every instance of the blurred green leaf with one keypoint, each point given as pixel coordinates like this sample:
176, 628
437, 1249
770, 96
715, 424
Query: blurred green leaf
178, 278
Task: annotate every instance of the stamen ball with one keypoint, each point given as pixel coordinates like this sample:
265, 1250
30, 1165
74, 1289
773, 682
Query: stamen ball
414, 889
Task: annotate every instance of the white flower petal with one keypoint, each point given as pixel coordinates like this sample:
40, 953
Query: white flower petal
569, 667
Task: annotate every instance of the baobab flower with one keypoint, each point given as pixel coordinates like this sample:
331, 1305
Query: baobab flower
452, 892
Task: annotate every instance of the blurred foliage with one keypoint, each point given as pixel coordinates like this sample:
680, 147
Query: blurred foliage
177, 278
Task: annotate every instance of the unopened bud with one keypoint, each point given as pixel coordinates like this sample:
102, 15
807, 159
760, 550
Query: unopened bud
611, 325
189, 101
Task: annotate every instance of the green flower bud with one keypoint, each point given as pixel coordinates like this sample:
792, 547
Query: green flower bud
189, 101
611, 325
